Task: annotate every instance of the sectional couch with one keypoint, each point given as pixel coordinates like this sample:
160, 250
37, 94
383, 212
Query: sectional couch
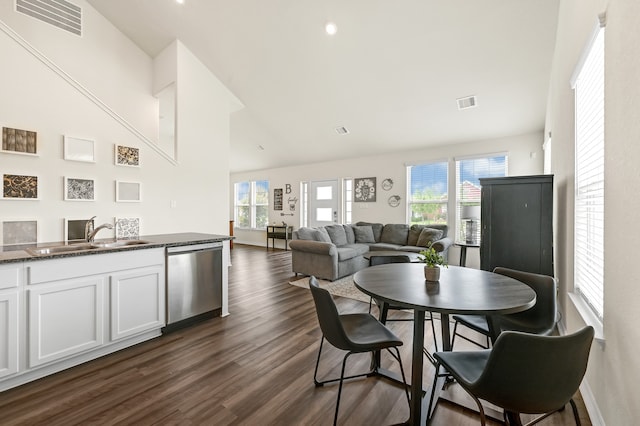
335, 251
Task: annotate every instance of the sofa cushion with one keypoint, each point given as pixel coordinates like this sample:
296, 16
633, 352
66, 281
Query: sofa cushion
350, 251
351, 237
337, 234
384, 246
428, 236
308, 234
377, 229
364, 234
395, 233
322, 235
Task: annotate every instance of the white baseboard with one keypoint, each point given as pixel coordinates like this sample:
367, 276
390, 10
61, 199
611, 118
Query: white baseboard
590, 403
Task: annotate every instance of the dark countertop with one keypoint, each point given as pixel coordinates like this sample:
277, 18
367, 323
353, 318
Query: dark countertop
19, 253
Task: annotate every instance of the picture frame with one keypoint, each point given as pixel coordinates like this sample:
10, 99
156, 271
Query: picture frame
19, 187
19, 231
128, 192
74, 228
364, 190
127, 227
19, 141
127, 156
77, 149
79, 189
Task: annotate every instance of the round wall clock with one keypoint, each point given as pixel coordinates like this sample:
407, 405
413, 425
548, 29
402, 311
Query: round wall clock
394, 200
387, 184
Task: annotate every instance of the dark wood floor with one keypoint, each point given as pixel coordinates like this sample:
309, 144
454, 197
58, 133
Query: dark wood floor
253, 367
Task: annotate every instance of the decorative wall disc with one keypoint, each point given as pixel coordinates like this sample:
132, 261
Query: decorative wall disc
387, 184
394, 201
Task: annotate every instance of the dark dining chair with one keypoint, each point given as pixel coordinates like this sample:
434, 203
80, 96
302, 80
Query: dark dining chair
354, 333
540, 319
383, 260
523, 373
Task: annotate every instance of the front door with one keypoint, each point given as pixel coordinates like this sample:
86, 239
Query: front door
323, 203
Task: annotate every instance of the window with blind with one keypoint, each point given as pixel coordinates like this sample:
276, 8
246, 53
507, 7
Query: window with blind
468, 174
251, 204
428, 193
588, 85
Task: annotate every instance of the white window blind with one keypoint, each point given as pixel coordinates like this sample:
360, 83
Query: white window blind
468, 190
428, 193
588, 84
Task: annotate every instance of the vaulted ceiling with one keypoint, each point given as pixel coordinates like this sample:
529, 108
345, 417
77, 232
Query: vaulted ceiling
391, 74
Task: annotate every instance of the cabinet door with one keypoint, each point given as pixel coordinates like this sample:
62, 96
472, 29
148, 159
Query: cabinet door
65, 318
137, 301
8, 333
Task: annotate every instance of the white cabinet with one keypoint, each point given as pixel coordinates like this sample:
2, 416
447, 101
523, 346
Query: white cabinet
137, 301
10, 279
84, 303
65, 318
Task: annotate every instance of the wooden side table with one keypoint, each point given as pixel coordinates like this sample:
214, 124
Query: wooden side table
279, 232
463, 251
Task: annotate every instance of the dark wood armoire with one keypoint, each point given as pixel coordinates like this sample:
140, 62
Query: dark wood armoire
517, 223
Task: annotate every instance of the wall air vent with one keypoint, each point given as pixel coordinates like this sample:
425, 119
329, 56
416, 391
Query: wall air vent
342, 130
468, 102
59, 13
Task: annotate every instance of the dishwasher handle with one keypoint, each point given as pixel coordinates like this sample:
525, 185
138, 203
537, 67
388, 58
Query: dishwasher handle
193, 247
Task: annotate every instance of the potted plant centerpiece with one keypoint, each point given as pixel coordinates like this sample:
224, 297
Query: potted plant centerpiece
432, 260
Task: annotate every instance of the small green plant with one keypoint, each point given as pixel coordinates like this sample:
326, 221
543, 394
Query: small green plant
432, 258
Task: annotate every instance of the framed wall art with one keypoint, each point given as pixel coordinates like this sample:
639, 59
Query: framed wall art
18, 141
74, 229
79, 189
127, 156
364, 190
128, 192
20, 231
76, 149
127, 227
19, 187
277, 199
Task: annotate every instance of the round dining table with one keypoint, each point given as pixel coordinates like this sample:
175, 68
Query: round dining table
459, 291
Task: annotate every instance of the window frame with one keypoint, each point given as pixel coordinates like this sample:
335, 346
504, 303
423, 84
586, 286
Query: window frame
252, 204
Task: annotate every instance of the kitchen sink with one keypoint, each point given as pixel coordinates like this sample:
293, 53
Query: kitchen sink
44, 251
117, 243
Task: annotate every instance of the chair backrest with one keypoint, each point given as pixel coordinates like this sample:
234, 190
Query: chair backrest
328, 316
384, 259
529, 373
542, 317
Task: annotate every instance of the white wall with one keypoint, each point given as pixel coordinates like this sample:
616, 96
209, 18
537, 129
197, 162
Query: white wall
610, 388
525, 158
113, 71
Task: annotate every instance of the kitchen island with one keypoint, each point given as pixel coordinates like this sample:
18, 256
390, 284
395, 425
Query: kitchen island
68, 303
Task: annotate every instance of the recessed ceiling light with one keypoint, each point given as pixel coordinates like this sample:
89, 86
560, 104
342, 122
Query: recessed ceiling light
331, 28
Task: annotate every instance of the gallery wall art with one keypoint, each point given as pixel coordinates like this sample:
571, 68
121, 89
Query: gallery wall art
75, 229
19, 232
19, 187
127, 156
127, 227
79, 189
76, 149
17, 141
128, 192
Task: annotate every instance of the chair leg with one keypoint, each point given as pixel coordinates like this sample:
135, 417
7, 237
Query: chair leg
315, 372
574, 408
404, 379
344, 364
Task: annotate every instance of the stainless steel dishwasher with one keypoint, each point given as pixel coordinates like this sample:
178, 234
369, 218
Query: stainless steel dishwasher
194, 283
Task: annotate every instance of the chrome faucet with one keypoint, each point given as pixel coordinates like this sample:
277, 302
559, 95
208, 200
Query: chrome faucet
91, 233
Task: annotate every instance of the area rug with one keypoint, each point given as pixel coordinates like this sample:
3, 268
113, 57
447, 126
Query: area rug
342, 287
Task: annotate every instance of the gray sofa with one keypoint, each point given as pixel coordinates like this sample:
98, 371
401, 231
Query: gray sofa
335, 251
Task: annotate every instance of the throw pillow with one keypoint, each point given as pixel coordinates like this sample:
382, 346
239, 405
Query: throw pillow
322, 235
429, 236
337, 234
307, 234
414, 234
364, 234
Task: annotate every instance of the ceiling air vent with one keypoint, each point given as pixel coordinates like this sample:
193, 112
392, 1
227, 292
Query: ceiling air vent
59, 13
468, 102
342, 130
